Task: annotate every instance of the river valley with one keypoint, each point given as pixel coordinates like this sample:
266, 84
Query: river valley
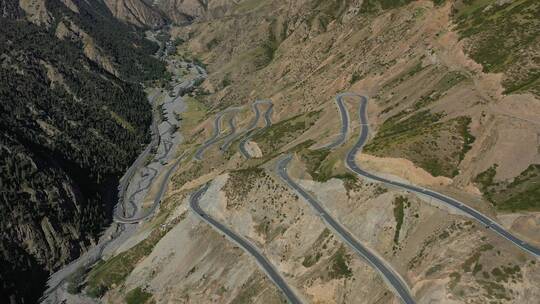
144, 183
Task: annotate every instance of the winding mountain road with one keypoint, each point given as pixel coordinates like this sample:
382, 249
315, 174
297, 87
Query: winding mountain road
251, 129
227, 140
217, 130
393, 279
120, 212
123, 217
267, 267
157, 200
147, 177
481, 218
344, 120
138, 163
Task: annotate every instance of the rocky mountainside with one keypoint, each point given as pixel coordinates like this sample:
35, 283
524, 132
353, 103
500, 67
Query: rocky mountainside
73, 117
301, 54
154, 13
183, 11
448, 109
136, 12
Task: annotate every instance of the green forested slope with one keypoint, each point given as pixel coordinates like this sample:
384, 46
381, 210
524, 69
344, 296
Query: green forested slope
68, 131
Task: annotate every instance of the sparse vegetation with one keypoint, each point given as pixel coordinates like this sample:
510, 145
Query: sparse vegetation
438, 238
379, 190
445, 234
266, 229
486, 178
507, 273
349, 181
436, 146
323, 12
434, 269
400, 203
455, 277
468, 138
488, 25
241, 182
494, 290
75, 280
311, 260
521, 193
249, 5
356, 76
439, 2
502, 274
472, 263
268, 50
212, 43
319, 245
448, 81
198, 62
407, 74
113, 271
226, 81
376, 5
399, 128
194, 170
178, 41
194, 114
340, 265
138, 296
317, 167
285, 131
250, 289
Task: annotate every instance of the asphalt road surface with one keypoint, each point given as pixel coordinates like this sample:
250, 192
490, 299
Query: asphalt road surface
217, 130
111, 237
157, 199
251, 129
270, 271
139, 162
120, 214
344, 121
213, 139
390, 276
227, 140
482, 219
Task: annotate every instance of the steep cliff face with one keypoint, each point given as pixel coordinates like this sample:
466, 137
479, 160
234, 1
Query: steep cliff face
72, 118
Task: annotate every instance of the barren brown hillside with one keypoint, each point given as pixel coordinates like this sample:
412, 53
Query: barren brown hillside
410, 61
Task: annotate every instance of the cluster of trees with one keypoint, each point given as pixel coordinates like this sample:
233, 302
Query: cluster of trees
10, 9
80, 106
125, 43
